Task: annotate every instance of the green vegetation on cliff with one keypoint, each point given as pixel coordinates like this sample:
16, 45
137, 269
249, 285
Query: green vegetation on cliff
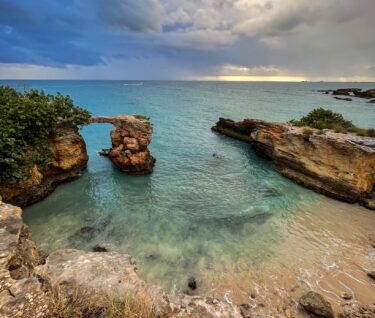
27, 120
321, 118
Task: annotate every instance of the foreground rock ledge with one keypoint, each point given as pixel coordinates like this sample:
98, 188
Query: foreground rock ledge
130, 140
25, 279
341, 166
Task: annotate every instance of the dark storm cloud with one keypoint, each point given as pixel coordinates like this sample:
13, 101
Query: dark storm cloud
197, 37
137, 16
73, 32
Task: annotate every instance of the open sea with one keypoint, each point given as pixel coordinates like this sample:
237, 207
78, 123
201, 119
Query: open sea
233, 223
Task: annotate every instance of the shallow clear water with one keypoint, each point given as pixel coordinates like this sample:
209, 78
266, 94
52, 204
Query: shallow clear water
215, 219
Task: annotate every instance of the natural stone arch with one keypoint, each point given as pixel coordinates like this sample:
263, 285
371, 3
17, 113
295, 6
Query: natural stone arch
130, 142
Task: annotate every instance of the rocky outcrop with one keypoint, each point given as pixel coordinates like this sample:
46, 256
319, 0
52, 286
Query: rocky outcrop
130, 142
69, 158
337, 165
356, 92
316, 304
26, 281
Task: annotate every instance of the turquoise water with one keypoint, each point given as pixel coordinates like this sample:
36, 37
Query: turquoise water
196, 215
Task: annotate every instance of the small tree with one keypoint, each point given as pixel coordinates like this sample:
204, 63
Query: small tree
27, 120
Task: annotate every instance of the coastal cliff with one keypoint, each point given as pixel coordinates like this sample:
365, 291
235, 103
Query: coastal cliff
130, 142
28, 282
68, 159
341, 166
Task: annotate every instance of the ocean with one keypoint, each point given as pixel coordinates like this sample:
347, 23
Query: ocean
230, 221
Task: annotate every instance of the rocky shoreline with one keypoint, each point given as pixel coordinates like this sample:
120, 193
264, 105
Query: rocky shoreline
352, 92
27, 280
341, 166
129, 153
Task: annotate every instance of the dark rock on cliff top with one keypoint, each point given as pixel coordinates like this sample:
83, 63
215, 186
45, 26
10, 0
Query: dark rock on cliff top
316, 304
371, 274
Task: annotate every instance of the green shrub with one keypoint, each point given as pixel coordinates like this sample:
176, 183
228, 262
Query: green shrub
321, 118
27, 120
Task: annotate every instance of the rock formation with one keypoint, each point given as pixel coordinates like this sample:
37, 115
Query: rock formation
69, 158
355, 92
337, 165
130, 140
316, 304
26, 281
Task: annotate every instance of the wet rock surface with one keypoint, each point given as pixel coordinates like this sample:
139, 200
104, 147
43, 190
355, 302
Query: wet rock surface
316, 304
337, 165
130, 142
26, 281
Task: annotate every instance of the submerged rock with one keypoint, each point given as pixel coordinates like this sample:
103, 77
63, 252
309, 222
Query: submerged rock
315, 303
130, 142
99, 249
372, 239
371, 274
309, 161
345, 99
26, 285
246, 311
346, 296
192, 283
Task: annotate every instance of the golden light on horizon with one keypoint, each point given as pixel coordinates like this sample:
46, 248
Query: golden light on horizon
255, 78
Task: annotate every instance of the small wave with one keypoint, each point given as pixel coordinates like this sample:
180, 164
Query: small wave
133, 84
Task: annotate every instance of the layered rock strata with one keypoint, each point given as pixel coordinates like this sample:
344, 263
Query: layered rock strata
26, 280
69, 159
341, 166
130, 142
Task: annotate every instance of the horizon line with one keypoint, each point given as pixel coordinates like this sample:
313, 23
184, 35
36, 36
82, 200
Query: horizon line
188, 80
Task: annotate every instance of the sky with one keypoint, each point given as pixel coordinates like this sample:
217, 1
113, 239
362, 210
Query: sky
278, 40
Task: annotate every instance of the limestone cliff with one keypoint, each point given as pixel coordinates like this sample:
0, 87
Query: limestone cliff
341, 166
69, 158
26, 281
130, 140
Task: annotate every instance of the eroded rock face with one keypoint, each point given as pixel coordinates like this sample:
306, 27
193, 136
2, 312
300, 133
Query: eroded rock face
68, 161
18, 258
337, 165
25, 284
130, 142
